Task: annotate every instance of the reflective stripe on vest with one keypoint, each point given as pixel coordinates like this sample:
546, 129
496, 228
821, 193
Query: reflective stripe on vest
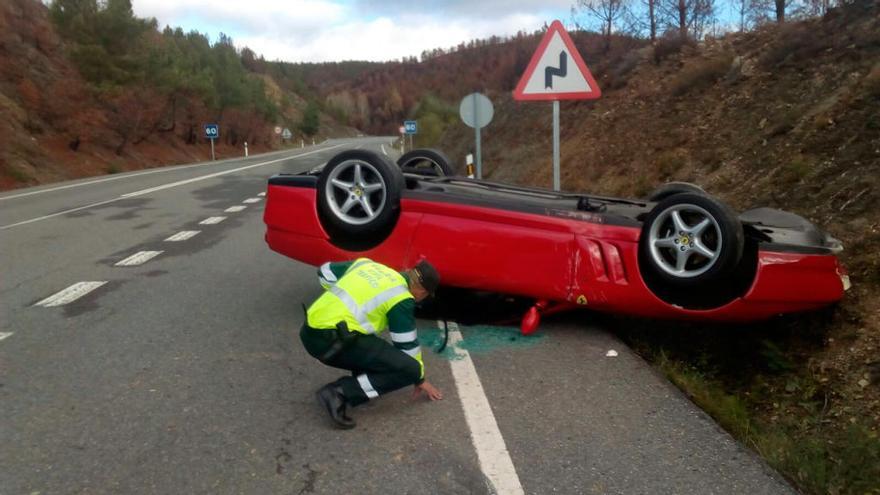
361, 312
361, 298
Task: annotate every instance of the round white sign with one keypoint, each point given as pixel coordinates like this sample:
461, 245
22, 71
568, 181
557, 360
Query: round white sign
476, 110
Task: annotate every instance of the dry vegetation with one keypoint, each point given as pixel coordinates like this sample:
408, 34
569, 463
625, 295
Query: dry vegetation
787, 117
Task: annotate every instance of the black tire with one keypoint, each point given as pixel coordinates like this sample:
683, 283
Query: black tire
723, 236
670, 188
356, 229
426, 161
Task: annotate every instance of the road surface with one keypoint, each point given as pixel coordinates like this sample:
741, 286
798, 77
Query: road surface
148, 345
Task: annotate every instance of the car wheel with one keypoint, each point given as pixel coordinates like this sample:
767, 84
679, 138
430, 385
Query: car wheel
359, 198
671, 188
425, 161
690, 241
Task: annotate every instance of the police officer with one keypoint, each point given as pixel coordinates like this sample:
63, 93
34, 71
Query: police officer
361, 299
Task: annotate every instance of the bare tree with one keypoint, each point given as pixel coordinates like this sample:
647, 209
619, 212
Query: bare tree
689, 17
651, 5
607, 12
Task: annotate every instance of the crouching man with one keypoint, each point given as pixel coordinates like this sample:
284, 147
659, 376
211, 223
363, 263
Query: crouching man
361, 299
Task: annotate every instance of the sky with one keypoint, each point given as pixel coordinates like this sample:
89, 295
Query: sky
337, 30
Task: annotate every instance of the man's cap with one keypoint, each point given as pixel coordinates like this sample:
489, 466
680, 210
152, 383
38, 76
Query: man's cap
427, 275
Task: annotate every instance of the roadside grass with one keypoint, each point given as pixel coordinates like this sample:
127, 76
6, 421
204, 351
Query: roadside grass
813, 455
17, 174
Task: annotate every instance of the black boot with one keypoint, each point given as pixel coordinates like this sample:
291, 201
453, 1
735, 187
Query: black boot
330, 396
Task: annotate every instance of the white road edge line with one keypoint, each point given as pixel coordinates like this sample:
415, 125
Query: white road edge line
183, 235
383, 150
158, 188
235, 209
218, 174
212, 220
491, 451
3, 335
70, 294
170, 168
139, 258
252, 200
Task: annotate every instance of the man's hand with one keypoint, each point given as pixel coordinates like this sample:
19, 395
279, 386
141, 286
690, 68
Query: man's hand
427, 389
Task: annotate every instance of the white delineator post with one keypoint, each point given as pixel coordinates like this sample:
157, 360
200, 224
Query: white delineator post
245, 149
469, 165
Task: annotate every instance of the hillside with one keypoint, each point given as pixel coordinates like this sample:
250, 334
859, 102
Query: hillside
72, 107
787, 117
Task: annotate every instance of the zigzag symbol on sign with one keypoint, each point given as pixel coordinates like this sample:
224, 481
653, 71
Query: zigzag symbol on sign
549, 72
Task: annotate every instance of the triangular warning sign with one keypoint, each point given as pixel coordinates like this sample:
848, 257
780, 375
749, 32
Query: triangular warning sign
557, 71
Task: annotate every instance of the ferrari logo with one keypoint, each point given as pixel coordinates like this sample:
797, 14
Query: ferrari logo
582, 300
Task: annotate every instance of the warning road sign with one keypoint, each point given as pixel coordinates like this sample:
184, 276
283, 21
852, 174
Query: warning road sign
557, 71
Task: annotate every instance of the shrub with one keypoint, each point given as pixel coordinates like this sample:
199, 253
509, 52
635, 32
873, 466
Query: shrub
667, 46
700, 74
872, 82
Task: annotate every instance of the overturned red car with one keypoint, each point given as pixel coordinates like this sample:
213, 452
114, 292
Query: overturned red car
678, 254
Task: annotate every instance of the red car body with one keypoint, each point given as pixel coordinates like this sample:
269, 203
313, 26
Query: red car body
569, 256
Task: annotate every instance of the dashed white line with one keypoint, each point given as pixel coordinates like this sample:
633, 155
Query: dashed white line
234, 209
383, 149
70, 294
252, 200
261, 194
3, 335
491, 451
183, 235
212, 220
139, 258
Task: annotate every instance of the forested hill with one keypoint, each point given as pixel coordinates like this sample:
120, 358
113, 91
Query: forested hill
86, 88
378, 97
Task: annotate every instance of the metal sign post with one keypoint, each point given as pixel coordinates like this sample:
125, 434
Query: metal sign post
411, 127
550, 76
212, 132
477, 139
556, 145
476, 111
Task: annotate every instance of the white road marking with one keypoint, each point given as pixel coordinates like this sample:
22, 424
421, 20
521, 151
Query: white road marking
121, 176
218, 174
183, 235
70, 294
491, 451
252, 200
212, 220
383, 149
108, 179
261, 194
158, 188
139, 258
235, 209
3, 335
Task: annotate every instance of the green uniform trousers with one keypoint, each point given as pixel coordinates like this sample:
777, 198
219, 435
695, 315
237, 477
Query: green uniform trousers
376, 366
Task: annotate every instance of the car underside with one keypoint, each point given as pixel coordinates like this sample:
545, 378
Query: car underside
679, 254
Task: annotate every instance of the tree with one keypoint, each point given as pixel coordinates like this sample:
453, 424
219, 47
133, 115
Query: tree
310, 123
688, 17
607, 13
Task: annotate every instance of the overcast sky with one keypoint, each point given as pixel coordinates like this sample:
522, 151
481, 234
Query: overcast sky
335, 30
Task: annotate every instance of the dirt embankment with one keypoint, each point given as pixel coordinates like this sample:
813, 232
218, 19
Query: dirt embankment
786, 117
54, 126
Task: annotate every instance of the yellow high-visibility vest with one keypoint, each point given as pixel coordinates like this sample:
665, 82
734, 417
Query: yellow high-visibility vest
361, 298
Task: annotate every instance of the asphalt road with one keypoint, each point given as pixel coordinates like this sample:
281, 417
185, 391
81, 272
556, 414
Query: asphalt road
183, 374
